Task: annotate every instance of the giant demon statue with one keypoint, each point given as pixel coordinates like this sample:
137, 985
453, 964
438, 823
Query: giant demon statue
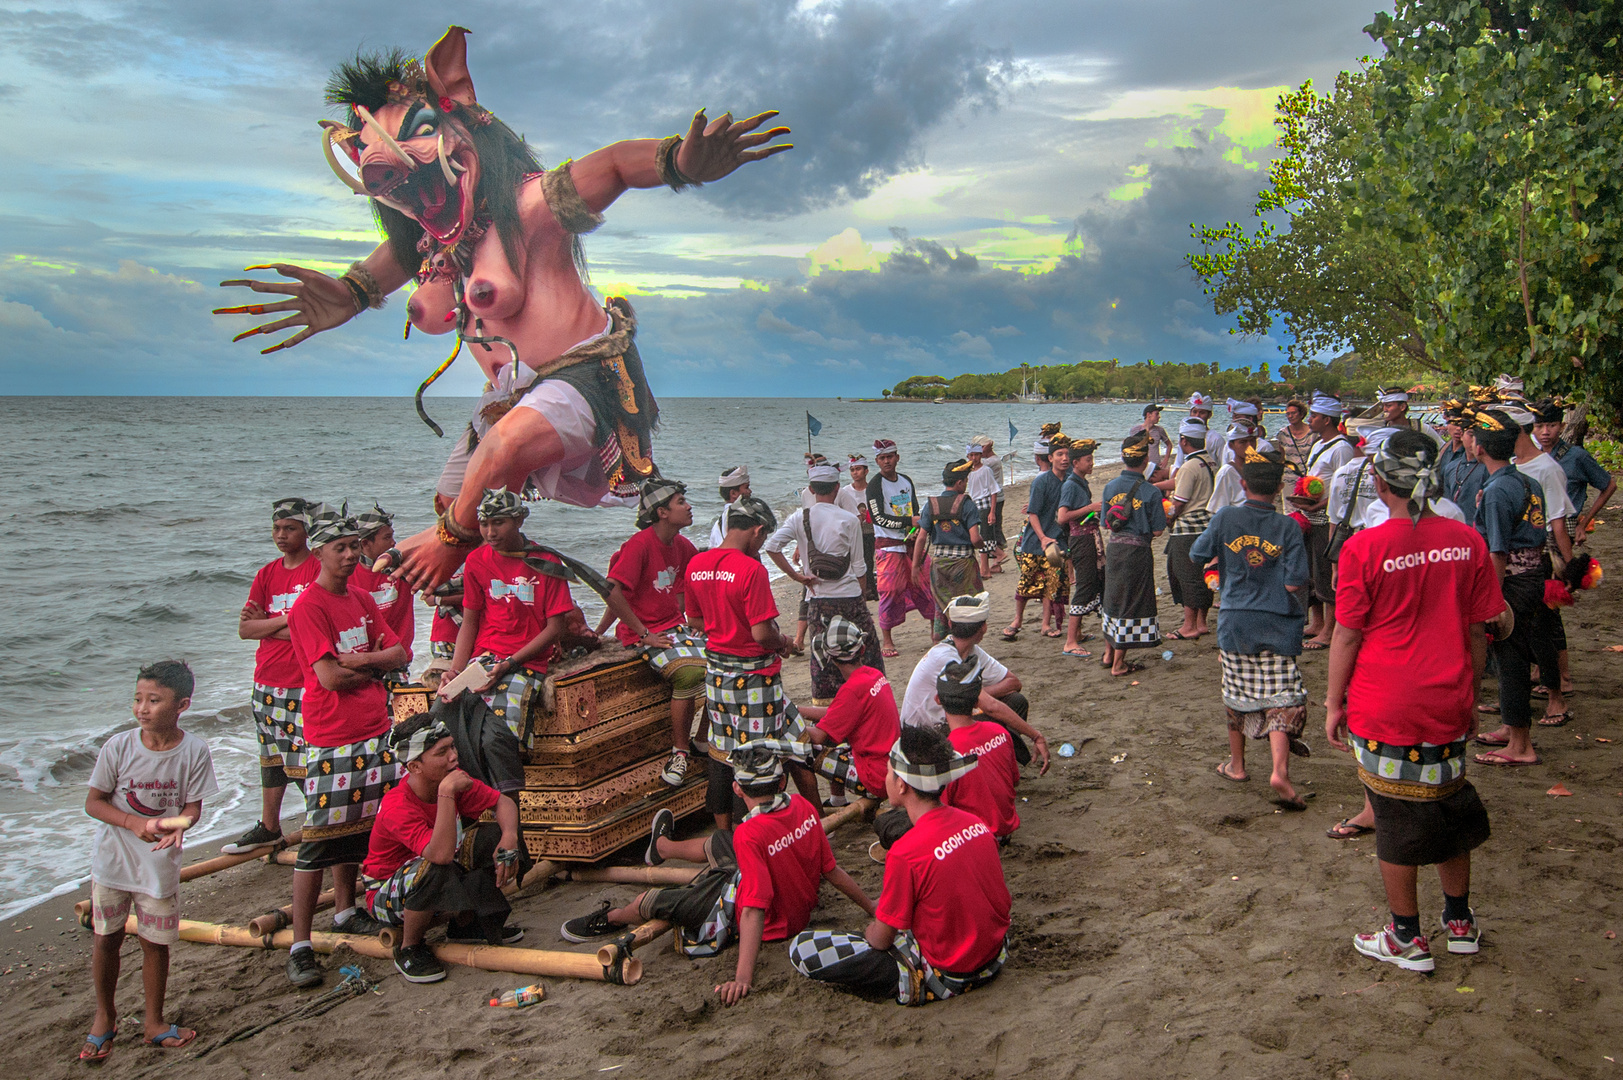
492, 242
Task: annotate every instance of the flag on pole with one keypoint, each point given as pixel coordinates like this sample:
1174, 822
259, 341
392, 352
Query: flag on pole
813, 425
1013, 431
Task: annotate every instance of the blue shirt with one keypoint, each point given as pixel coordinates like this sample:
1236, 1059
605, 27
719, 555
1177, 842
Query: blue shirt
1462, 482
1511, 517
1073, 495
1450, 457
1260, 552
1583, 472
1043, 502
1147, 516
945, 530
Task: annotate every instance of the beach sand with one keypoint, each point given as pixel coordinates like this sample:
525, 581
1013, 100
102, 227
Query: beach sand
1167, 922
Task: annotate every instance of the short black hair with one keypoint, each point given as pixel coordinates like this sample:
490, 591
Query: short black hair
174, 674
964, 630
823, 487
764, 790
1499, 445
958, 704
727, 493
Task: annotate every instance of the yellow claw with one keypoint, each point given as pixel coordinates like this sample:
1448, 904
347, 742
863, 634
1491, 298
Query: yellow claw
267, 266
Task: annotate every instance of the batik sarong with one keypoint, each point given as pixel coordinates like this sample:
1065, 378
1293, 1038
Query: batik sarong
848, 960
441, 650
746, 702
685, 651
465, 886
1039, 579
1263, 693
826, 681
835, 763
1130, 620
1423, 772
1087, 577
510, 699
344, 784
954, 571
279, 728
899, 589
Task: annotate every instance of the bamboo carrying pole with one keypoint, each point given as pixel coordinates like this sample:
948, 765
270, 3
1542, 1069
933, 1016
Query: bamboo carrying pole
207, 867
848, 813
623, 945
633, 875
540, 872
484, 957
281, 918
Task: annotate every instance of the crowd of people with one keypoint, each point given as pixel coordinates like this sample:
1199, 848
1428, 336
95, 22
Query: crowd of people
1390, 544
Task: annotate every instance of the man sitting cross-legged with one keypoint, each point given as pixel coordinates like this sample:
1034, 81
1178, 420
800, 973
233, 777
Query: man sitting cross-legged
854, 731
760, 882
942, 918
430, 857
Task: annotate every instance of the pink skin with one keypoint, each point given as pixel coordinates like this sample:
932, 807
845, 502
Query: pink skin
540, 305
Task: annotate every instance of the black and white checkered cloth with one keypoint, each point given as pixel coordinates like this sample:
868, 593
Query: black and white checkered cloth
1192, 522
745, 703
1121, 632
817, 954
1265, 680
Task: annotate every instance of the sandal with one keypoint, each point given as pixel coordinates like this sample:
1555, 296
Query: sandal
102, 1044
1053, 633
1490, 740
1011, 633
1555, 719
890, 654
1494, 757
1132, 668
175, 1032
1222, 771
1179, 635
1079, 653
1346, 830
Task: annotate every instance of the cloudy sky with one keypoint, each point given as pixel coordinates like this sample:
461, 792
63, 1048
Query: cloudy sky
975, 184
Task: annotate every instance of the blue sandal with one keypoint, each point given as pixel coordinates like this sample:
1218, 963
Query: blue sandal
100, 1042
173, 1033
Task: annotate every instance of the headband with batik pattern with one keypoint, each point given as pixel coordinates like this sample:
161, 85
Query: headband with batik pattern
1083, 447
1263, 467
760, 761
1485, 419
1412, 472
656, 492
960, 682
500, 503
294, 507
1135, 448
925, 777
1549, 412
844, 641
415, 738
883, 446
326, 524
372, 520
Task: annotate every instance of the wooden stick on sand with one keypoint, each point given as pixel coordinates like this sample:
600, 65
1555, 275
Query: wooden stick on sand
633, 939
853, 811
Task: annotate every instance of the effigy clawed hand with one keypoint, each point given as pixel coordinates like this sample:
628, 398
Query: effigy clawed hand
318, 303
714, 148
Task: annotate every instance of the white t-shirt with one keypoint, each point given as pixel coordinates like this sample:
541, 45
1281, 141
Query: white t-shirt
1379, 513
151, 784
1226, 489
897, 497
994, 463
919, 705
982, 484
1553, 478
845, 499
1345, 504
837, 532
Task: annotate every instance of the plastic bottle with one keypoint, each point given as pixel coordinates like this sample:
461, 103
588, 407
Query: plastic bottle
518, 999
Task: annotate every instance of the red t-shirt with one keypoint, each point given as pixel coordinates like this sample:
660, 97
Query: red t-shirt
405, 824
392, 599
275, 588
444, 627
327, 624
729, 592
514, 601
782, 858
944, 881
1414, 593
652, 574
987, 790
863, 714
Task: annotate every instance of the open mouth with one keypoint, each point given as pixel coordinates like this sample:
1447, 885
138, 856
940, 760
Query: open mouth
435, 203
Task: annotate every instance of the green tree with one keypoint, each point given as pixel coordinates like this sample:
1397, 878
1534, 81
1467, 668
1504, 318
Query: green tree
1502, 122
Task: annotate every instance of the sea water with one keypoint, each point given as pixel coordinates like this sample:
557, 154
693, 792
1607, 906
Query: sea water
132, 528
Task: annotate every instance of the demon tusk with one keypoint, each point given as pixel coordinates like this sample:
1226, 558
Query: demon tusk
388, 140
445, 163
330, 131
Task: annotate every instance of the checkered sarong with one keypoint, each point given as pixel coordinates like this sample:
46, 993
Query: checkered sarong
511, 697
279, 728
746, 704
388, 903
344, 784
988, 541
1191, 522
1265, 680
817, 954
441, 650
686, 649
835, 763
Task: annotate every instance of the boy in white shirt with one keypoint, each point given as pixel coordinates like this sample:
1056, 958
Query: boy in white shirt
146, 790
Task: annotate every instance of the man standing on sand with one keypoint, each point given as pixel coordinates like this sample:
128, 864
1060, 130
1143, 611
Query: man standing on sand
894, 506
1160, 463
393, 597
1415, 595
1042, 541
990, 459
1191, 496
858, 487
1133, 518
1079, 513
278, 681
1333, 451
1200, 408
984, 489
733, 485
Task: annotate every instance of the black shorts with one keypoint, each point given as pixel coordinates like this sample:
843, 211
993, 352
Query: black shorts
719, 797
1320, 565
688, 906
1411, 833
339, 851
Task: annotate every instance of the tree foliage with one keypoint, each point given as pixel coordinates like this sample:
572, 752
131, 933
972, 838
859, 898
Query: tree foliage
1112, 378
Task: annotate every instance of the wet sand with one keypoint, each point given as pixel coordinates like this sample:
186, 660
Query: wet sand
1167, 922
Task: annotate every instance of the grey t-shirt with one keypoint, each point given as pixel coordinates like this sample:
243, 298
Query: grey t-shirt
151, 784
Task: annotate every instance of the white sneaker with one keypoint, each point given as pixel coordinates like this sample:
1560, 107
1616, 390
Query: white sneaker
1384, 945
1464, 936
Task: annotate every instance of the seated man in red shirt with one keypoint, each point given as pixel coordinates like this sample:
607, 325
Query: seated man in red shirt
344, 648
760, 882
857, 729
943, 915
393, 596
421, 863
512, 612
647, 577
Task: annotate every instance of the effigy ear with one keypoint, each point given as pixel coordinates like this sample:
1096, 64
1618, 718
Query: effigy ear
447, 67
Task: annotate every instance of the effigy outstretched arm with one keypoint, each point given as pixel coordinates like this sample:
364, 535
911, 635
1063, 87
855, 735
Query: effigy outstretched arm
711, 150
318, 302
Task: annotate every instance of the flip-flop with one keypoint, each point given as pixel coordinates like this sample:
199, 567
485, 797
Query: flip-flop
1179, 635
1555, 719
1079, 654
157, 1040
1488, 710
1011, 633
1301, 801
1225, 774
1314, 646
1053, 633
1494, 757
1132, 668
1346, 830
103, 1045
890, 654
1489, 740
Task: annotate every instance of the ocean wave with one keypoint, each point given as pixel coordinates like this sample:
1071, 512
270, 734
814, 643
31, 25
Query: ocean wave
148, 614
209, 577
94, 514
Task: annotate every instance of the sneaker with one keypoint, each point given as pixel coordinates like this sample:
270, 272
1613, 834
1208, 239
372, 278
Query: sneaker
664, 825
418, 964
1384, 945
257, 837
359, 922
303, 969
1464, 936
587, 927
470, 935
676, 767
